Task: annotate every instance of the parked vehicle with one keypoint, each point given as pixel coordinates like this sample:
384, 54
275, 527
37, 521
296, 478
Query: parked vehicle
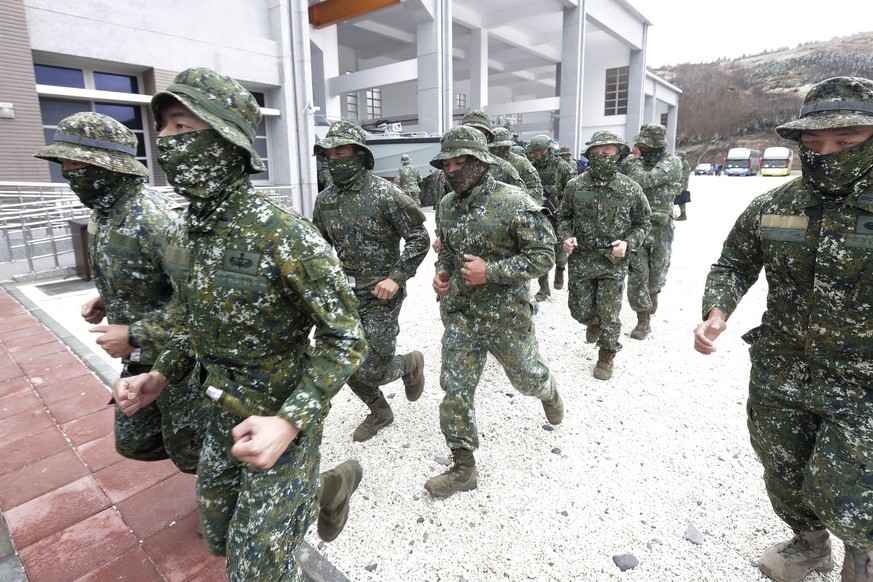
703, 170
777, 161
742, 162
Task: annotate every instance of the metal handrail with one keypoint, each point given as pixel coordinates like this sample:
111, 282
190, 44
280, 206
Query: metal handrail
34, 218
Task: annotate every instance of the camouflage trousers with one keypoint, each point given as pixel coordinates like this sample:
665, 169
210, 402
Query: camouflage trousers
647, 272
257, 517
380, 321
465, 347
415, 195
560, 255
171, 427
595, 294
813, 432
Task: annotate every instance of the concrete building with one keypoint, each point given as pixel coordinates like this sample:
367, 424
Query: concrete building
561, 67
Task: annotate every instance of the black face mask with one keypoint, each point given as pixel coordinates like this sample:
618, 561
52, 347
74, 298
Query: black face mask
468, 176
651, 155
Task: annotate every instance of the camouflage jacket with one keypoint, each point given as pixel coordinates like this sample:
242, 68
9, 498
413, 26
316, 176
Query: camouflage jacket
408, 177
661, 182
528, 174
817, 255
598, 213
503, 226
365, 222
686, 173
126, 255
554, 178
254, 281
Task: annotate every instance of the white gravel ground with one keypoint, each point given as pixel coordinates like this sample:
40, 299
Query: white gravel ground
638, 458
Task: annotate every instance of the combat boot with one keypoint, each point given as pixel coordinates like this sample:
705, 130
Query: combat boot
554, 408
603, 368
654, 298
642, 329
682, 216
544, 288
337, 486
413, 379
791, 561
559, 277
857, 565
380, 416
592, 332
461, 476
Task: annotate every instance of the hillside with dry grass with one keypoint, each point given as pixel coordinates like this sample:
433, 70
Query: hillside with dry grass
738, 102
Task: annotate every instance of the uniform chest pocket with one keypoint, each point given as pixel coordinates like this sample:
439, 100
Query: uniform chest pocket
583, 197
177, 263
123, 246
779, 228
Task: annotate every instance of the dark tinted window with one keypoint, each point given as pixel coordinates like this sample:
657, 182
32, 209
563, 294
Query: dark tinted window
59, 76
54, 110
129, 115
117, 83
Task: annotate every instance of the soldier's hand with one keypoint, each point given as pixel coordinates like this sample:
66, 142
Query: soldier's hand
113, 340
261, 440
619, 248
436, 245
473, 270
570, 245
386, 289
441, 283
94, 311
707, 331
135, 392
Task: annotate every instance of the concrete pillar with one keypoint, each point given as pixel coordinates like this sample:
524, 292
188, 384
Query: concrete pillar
435, 87
325, 66
571, 76
479, 68
636, 97
672, 122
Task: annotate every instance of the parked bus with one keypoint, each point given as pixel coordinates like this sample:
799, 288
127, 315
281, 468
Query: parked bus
777, 161
742, 162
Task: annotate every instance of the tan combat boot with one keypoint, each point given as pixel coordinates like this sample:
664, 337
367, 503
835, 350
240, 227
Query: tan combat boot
554, 408
544, 288
642, 329
603, 368
413, 379
857, 565
461, 476
380, 416
559, 277
654, 297
592, 332
337, 486
791, 561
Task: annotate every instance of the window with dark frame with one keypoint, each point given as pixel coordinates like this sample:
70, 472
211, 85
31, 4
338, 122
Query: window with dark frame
615, 102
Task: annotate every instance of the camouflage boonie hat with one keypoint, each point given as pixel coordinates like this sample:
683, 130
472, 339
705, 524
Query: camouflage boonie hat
480, 120
221, 102
345, 133
832, 103
608, 138
96, 139
502, 138
462, 140
538, 143
563, 152
653, 135
517, 149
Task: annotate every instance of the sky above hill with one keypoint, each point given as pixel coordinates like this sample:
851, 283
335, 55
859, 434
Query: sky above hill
686, 31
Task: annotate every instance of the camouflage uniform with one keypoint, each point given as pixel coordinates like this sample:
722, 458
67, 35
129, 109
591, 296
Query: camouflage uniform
503, 226
554, 175
660, 175
810, 407
684, 196
408, 179
596, 210
125, 251
501, 147
254, 278
364, 218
